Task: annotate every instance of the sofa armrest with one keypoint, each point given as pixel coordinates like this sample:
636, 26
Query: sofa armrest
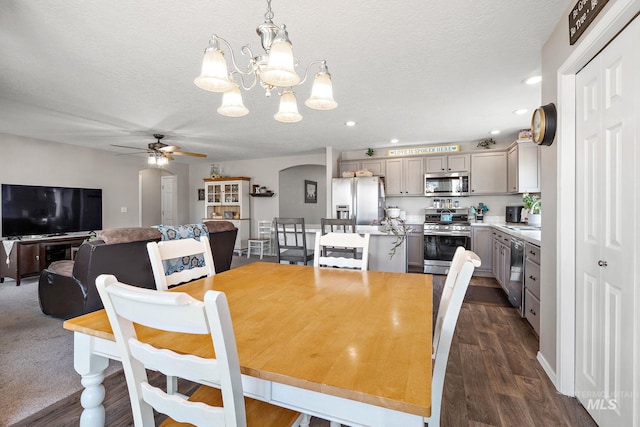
60, 296
222, 244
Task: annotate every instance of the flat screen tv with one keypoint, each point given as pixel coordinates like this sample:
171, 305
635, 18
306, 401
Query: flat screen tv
37, 210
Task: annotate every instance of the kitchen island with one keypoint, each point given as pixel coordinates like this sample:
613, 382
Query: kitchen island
380, 246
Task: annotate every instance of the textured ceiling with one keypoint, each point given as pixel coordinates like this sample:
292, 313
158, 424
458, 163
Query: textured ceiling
96, 73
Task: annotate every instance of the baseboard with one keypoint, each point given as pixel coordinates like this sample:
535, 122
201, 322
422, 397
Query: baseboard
547, 369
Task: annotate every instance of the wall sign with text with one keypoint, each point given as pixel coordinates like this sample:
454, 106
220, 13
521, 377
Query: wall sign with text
442, 149
581, 16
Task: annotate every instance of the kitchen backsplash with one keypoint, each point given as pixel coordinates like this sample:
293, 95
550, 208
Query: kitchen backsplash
414, 206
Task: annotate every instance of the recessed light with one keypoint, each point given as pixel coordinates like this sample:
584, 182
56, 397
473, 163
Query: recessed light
533, 80
520, 111
350, 123
395, 140
494, 132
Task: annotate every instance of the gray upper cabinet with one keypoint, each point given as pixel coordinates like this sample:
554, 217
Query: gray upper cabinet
376, 166
447, 163
405, 177
523, 168
488, 173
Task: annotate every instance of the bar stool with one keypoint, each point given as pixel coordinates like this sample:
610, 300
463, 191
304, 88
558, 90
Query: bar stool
263, 240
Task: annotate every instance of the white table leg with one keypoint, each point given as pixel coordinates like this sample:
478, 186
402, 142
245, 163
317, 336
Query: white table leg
91, 366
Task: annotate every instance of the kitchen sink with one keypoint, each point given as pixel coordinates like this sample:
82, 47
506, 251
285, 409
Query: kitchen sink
521, 227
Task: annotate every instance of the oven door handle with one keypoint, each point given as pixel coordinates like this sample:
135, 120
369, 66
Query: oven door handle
447, 233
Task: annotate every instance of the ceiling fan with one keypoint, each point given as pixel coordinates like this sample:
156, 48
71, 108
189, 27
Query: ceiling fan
159, 152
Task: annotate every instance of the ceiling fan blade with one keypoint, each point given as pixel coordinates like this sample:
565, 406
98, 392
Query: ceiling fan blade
184, 153
130, 154
168, 156
132, 148
169, 148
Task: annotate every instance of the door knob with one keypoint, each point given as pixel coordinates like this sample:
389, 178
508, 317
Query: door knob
602, 263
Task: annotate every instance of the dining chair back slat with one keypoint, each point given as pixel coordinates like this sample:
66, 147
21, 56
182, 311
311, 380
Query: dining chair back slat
184, 249
331, 225
460, 257
180, 313
347, 241
441, 356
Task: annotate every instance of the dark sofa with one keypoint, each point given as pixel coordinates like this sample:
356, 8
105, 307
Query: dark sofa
67, 288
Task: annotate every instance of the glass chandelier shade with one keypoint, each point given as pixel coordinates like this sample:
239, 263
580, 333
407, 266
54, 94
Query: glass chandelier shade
232, 105
280, 68
214, 76
288, 111
273, 70
321, 93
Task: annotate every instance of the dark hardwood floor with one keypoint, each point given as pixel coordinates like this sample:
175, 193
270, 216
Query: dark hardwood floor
493, 379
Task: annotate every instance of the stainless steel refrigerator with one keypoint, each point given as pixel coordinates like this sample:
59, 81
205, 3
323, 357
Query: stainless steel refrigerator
362, 198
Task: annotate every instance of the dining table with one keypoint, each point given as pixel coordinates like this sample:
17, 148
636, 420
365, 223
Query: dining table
349, 346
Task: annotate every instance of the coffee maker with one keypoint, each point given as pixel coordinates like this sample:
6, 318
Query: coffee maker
513, 213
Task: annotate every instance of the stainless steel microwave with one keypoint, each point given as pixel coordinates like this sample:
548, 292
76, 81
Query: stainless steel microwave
446, 184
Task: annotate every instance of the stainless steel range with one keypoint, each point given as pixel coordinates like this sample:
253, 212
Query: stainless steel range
444, 231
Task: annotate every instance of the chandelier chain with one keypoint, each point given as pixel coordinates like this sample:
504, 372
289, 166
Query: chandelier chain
269, 15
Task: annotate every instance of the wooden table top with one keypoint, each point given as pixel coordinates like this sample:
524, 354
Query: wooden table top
363, 335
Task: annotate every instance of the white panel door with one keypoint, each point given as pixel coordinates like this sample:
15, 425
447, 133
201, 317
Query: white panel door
607, 199
168, 199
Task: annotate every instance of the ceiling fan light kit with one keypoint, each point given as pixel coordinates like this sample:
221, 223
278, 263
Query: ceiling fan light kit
159, 153
275, 69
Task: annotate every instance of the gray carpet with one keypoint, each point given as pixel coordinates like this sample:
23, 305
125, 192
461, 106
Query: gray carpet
36, 353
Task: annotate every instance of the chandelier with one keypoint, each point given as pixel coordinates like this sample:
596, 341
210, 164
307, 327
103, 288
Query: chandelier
273, 70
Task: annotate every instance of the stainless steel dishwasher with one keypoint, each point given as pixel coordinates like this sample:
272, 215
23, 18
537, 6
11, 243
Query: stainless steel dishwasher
515, 283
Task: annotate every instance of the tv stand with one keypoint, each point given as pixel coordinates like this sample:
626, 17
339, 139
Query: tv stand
29, 256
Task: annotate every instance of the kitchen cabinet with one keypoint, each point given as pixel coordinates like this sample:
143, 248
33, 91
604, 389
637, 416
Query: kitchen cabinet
415, 249
228, 199
523, 168
488, 173
405, 177
482, 245
376, 166
447, 163
532, 285
501, 258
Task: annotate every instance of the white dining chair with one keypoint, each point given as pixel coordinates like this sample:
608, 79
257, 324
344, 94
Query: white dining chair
262, 241
460, 256
352, 241
178, 312
449, 320
174, 252
181, 249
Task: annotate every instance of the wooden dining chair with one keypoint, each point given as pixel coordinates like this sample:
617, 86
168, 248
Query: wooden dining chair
460, 256
175, 261
291, 241
453, 304
348, 241
180, 313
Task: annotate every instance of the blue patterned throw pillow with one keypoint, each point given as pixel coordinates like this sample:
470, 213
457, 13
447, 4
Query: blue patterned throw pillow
175, 232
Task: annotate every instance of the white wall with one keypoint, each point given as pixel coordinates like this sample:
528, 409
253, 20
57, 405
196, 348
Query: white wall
37, 162
292, 184
263, 172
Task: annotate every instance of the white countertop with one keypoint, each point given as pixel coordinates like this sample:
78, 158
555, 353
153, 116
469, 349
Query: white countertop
531, 236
